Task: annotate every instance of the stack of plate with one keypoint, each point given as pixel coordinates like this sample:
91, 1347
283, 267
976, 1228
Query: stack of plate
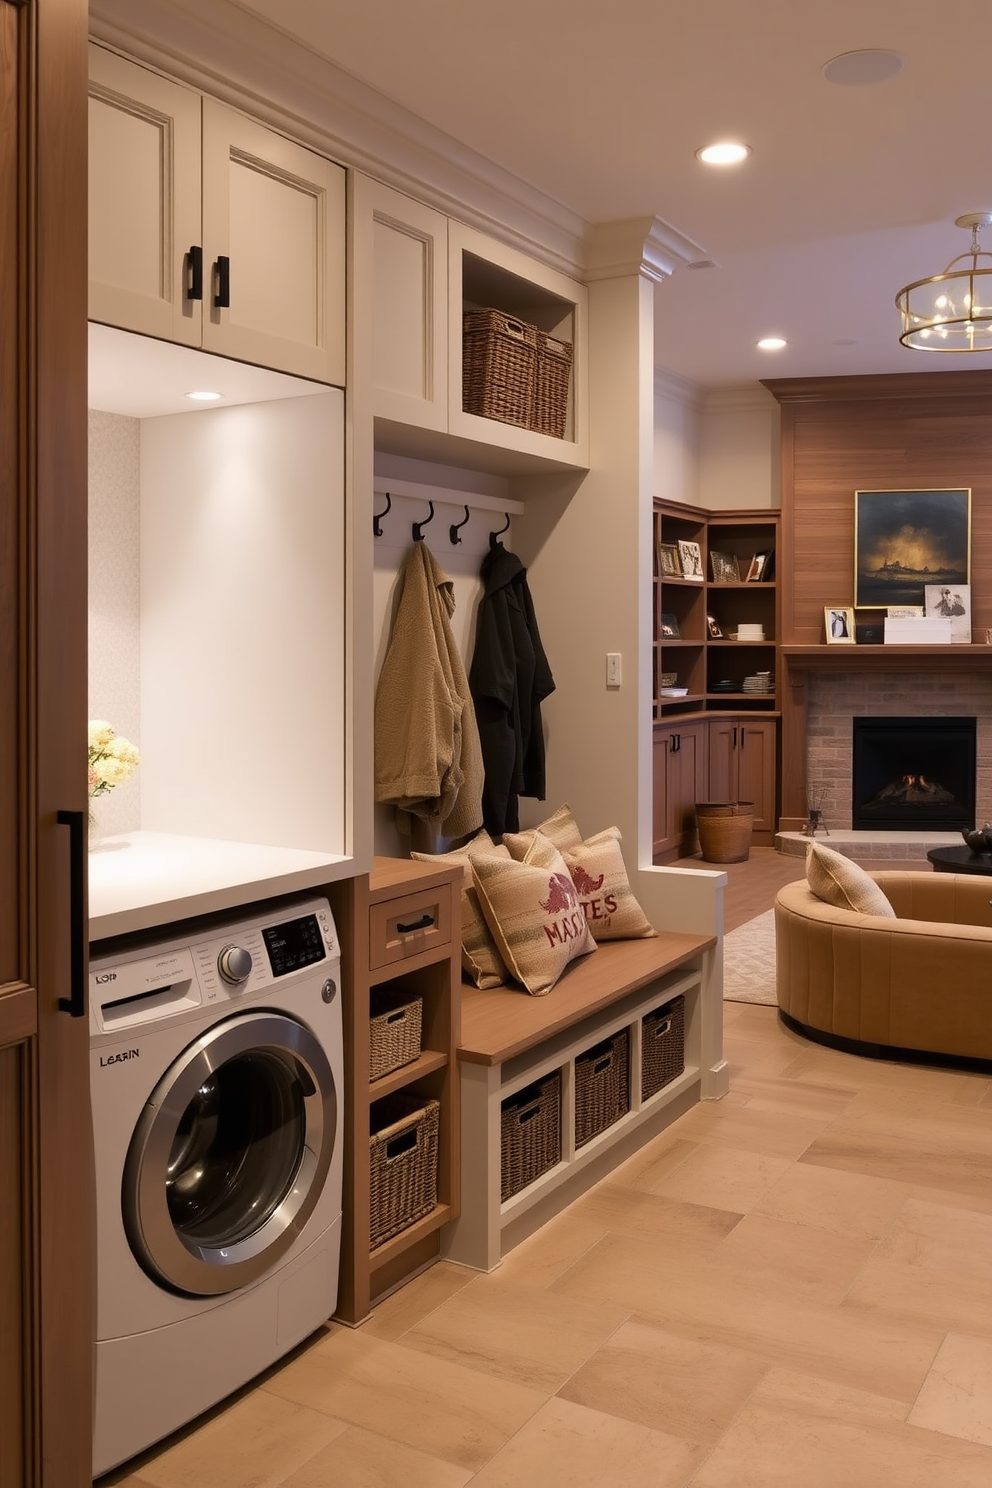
758, 682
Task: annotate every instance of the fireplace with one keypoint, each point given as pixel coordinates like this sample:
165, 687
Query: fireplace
913, 774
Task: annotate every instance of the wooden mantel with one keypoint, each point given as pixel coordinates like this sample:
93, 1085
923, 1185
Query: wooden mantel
798, 661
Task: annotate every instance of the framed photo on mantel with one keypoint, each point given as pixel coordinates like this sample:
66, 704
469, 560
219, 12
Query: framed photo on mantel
907, 540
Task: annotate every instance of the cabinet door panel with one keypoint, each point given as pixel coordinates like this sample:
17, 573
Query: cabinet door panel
409, 249
722, 773
144, 198
756, 771
276, 212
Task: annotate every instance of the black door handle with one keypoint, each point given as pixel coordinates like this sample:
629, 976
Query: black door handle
194, 273
75, 1003
742, 736
222, 299
734, 744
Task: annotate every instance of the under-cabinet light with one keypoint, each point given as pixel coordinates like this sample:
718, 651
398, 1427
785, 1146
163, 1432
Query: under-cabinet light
203, 396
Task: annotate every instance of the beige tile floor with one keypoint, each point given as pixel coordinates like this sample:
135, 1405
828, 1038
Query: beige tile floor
791, 1287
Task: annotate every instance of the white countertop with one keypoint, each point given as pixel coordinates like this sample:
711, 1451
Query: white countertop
143, 879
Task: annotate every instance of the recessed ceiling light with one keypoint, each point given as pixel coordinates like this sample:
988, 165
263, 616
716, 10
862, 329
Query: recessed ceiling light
772, 343
202, 396
861, 69
725, 152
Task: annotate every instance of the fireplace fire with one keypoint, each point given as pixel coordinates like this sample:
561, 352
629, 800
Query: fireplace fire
914, 773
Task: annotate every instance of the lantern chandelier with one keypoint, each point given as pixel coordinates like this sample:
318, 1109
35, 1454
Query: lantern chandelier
951, 311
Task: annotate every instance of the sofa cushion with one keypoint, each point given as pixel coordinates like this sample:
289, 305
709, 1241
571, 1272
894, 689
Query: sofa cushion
600, 877
844, 884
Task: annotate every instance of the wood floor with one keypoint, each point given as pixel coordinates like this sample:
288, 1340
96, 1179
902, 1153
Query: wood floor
791, 1288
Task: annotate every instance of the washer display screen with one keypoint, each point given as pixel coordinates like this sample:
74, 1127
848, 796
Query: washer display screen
294, 944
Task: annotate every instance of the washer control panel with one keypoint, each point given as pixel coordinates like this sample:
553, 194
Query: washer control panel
245, 956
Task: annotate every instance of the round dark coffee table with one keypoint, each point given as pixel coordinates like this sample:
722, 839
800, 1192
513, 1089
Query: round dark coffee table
959, 860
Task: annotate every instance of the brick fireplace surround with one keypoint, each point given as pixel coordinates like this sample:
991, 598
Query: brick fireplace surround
834, 698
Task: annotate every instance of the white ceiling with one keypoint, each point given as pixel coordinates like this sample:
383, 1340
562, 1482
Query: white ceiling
850, 192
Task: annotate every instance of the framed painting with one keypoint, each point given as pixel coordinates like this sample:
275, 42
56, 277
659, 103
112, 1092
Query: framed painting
905, 540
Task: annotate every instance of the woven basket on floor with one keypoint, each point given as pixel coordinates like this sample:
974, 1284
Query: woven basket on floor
602, 1087
499, 367
402, 1164
530, 1134
724, 829
662, 1046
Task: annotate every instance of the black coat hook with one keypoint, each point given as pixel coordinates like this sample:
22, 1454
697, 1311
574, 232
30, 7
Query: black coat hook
453, 529
377, 516
494, 535
418, 527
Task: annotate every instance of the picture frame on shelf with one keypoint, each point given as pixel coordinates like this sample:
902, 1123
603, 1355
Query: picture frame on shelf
669, 565
669, 627
838, 622
905, 540
713, 629
759, 569
725, 568
691, 558
952, 602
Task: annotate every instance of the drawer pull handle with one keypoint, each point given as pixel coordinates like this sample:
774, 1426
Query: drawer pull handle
222, 267
75, 1003
424, 923
194, 270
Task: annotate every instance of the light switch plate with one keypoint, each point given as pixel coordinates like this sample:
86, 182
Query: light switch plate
613, 668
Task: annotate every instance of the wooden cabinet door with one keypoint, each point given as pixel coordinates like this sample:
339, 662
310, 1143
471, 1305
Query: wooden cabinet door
144, 199
756, 770
46, 1220
663, 818
274, 249
406, 245
722, 772
679, 779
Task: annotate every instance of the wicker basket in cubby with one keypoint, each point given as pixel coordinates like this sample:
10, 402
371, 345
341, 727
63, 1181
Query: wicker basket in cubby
602, 1086
403, 1154
394, 1038
554, 370
662, 1046
530, 1134
499, 367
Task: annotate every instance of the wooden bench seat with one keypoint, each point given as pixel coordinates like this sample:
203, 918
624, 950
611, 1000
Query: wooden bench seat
510, 1039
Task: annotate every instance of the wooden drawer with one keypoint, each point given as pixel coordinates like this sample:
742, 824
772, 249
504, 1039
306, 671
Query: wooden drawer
399, 928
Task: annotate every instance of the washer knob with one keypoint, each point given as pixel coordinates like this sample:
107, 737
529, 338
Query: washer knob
234, 964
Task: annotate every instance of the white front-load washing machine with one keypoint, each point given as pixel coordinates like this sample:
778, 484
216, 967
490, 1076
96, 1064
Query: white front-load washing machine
216, 1079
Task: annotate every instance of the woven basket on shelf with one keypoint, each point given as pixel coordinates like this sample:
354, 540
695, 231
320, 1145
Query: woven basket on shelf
662, 1046
402, 1164
530, 1134
725, 830
394, 1038
499, 367
602, 1087
554, 368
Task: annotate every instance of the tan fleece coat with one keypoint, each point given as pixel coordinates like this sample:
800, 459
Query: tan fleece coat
428, 760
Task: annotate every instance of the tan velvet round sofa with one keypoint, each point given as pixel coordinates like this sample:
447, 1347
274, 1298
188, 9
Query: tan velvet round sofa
917, 984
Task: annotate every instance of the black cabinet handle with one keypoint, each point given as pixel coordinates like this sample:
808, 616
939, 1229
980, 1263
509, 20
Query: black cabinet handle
424, 923
222, 299
75, 1003
742, 736
194, 272
734, 744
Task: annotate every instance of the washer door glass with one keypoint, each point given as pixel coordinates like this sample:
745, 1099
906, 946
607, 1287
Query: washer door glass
230, 1154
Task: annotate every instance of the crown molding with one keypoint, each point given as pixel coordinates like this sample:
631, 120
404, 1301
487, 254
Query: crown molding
637, 245
219, 48
745, 397
676, 389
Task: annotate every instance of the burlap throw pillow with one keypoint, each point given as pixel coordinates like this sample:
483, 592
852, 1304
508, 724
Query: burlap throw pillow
481, 960
561, 828
534, 912
840, 882
599, 874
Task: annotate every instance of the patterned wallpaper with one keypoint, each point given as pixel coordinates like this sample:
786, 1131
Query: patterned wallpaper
114, 598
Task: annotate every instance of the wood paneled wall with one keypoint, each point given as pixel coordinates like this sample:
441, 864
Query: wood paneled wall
900, 432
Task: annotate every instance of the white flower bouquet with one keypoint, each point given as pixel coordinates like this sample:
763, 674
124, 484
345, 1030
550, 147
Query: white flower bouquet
112, 758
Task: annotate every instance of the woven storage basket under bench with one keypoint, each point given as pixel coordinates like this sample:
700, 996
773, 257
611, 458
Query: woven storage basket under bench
403, 1153
591, 1068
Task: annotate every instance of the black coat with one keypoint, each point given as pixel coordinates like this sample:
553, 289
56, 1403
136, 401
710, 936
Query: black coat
509, 678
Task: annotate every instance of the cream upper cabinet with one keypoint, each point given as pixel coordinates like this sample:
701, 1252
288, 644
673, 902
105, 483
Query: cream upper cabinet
209, 229
406, 245
274, 249
144, 199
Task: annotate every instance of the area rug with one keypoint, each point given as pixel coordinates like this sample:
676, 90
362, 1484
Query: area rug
749, 961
